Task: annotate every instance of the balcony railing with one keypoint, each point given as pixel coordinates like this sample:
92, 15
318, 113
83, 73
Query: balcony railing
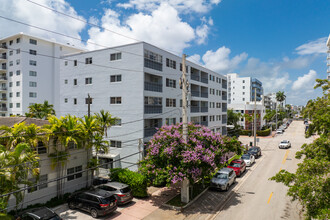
205, 123
3, 68
153, 64
3, 88
195, 93
3, 109
3, 47
204, 109
148, 132
224, 97
3, 56
194, 109
3, 78
224, 109
224, 86
153, 109
224, 130
155, 87
224, 121
204, 95
3, 98
205, 80
194, 77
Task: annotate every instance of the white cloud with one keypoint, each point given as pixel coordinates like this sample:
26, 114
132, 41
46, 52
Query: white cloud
203, 30
313, 47
183, 6
275, 82
305, 82
35, 15
196, 58
160, 28
220, 61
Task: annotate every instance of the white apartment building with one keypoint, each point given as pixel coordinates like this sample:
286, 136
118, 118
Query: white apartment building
29, 72
241, 89
328, 58
274, 101
248, 108
139, 84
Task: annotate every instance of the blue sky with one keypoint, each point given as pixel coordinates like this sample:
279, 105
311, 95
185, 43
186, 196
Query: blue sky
280, 42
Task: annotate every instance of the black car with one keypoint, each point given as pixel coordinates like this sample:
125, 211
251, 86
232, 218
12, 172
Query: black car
40, 213
255, 151
97, 202
99, 180
122, 191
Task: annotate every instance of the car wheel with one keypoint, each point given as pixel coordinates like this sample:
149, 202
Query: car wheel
71, 205
94, 213
227, 187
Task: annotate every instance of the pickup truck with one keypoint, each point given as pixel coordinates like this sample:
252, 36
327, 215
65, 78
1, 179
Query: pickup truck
284, 144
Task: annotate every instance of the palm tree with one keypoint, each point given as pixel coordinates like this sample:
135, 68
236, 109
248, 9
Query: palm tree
280, 97
106, 120
16, 165
41, 111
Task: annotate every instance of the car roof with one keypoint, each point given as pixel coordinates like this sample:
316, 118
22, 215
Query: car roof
285, 141
98, 192
116, 185
225, 170
246, 155
236, 161
42, 212
255, 147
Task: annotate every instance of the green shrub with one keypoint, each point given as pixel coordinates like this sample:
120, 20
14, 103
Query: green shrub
4, 216
136, 181
264, 132
245, 132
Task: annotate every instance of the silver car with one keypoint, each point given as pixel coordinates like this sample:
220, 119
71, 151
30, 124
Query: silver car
223, 179
122, 192
248, 159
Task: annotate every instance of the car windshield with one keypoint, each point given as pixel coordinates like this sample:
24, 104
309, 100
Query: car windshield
246, 157
221, 176
234, 164
125, 190
284, 142
253, 150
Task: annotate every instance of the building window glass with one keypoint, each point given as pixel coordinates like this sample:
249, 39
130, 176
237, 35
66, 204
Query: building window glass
88, 60
18, 105
72, 171
10, 42
10, 84
65, 81
117, 122
11, 63
75, 82
33, 95
65, 63
18, 83
170, 121
10, 105
18, 94
115, 100
32, 41
66, 100
18, 51
18, 72
115, 56
41, 148
116, 144
18, 61
33, 52
32, 73
75, 62
153, 60
33, 62
88, 102
170, 102
115, 78
10, 95
171, 63
75, 101
32, 84
10, 53
18, 40
171, 83
88, 80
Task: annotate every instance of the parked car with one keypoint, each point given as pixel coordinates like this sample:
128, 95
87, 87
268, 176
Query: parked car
40, 213
255, 151
284, 144
122, 191
97, 202
99, 180
223, 179
248, 159
279, 131
239, 166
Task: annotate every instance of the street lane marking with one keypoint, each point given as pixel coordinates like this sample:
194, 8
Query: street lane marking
270, 198
285, 156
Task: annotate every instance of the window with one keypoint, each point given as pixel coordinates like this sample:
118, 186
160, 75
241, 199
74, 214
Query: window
10, 84
10, 95
243, 93
66, 100
181, 68
32, 41
18, 51
18, 94
170, 83
65, 63
43, 179
170, 63
88, 102
32, 73
115, 100
41, 184
18, 83
117, 122
33, 95
10, 42
11, 63
18, 105
88, 60
75, 101
211, 117
10, 105
170, 121
243, 99
65, 81
10, 53
32, 84
33, 62
11, 73
41, 148
33, 52
18, 40
18, 72
115, 144
72, 171
152, 100
75, 62
170, 102
115, 56
75, 82
18, 61
243, 87
153, 60
72, 145
115, 78
243, 81
88, 80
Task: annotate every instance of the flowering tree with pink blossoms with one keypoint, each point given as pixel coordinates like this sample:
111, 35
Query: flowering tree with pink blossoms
171, 160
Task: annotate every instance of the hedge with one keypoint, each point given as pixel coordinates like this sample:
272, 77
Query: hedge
245, 132
263, 132
136, 181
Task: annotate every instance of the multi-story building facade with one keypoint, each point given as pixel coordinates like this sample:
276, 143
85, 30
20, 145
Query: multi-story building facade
275, 102
268, 103
328, 58
242, 89
139, 84
29, 72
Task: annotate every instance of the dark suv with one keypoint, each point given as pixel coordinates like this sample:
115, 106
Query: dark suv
255, 151
41, 213
97, 202
122, 191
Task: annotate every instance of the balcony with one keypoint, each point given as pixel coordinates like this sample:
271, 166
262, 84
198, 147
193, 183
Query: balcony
3, 57
224, 97
3, 89
3, 47
194, 109
153, 64
3, 78
3, 99
151, 86
153, 109
205, 80
194, 77
224, 85
195, 93
204, 123
3, 109
204, 109
204, 95
149, 132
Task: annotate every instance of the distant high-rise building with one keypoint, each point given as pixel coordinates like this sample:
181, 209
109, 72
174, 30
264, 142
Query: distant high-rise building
241, 89
29, 72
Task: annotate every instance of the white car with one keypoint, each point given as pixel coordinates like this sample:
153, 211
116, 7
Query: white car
284, 144
279, 131
248, 159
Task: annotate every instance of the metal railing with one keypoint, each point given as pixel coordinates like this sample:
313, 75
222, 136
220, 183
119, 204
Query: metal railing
148, 132
204, 95
155, 87
224, 97
3, 47
194, 109
3, 78
205, 123
205, 80
3, 57
204, 109
3, 89
195, 93
153, 109
194, 77
3, 109
224, 86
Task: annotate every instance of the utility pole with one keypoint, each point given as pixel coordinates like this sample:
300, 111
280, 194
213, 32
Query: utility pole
89, 150
184, 83
276, 114
89, 106
255, 118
